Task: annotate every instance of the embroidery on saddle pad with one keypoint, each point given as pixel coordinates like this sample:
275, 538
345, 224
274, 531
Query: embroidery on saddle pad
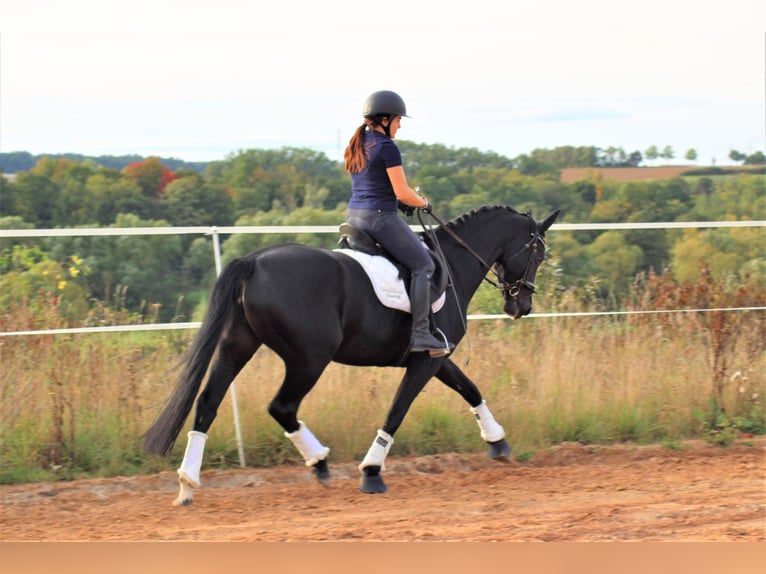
386, 282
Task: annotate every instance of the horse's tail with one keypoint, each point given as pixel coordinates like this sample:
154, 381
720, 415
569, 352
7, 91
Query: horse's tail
161, 436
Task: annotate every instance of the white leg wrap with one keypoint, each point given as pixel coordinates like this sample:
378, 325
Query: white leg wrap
491, 431
192, 462
378, 452
308, 445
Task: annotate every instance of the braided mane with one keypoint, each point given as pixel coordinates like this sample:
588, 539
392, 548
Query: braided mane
460, 220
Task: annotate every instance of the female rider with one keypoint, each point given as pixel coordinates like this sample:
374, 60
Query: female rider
377, 183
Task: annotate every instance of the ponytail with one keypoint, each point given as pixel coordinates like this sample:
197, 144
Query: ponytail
355, 154
356, 151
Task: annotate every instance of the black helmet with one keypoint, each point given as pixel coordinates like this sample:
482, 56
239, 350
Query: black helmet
384, 103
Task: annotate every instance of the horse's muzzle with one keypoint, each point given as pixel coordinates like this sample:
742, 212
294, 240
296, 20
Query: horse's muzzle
517, 308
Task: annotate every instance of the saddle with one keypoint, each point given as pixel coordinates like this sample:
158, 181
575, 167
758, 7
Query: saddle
356, 240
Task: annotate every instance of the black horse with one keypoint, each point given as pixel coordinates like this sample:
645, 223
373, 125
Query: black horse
313, 306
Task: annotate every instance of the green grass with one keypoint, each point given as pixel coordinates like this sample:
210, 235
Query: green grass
76, 405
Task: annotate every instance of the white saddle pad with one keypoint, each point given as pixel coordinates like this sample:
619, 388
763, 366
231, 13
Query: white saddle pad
386, 283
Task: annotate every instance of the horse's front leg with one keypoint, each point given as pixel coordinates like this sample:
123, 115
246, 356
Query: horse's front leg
420, 368
491, 431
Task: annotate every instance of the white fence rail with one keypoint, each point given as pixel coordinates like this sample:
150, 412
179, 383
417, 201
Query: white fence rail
266, 229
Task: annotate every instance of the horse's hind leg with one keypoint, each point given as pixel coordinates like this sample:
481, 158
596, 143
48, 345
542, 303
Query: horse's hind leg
492, 433
236, 348
300, 377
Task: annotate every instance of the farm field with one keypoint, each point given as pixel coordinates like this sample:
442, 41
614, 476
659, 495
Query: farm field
567, 493
623, 174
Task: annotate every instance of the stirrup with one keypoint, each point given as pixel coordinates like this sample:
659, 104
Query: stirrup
436, 348
446, 350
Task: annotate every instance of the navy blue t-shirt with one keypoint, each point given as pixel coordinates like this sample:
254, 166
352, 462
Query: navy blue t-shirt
371, 188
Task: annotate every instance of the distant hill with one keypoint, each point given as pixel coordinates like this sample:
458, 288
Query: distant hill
16, 161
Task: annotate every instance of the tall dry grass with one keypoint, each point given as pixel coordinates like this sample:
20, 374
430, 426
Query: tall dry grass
76, 405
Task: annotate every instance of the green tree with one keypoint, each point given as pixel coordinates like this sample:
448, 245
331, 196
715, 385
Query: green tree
656, 200
14, 222
242, 244
535, 166
691, 154
418, 156
611, 211
735, 155
740, 197
75, 204
705, 186
574, 258
567, 156
9, 198
616, 261
737, 252
667, 153
259, 178
612, 157
115, 194
35, 199
140, 273
190, 202
651, 152
586, 189
198, 270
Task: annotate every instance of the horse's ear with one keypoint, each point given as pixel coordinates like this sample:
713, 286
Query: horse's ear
548, 221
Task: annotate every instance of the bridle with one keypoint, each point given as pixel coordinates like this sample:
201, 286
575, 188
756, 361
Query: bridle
509, 290
513, 290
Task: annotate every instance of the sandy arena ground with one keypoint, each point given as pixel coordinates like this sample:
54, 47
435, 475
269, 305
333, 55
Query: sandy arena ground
568, 493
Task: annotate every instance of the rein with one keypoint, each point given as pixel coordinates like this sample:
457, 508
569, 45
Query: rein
511, 289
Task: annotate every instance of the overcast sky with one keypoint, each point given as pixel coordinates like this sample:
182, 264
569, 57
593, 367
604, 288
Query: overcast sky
199, 80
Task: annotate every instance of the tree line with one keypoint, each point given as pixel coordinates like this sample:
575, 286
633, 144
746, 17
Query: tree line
167, 277
538, 160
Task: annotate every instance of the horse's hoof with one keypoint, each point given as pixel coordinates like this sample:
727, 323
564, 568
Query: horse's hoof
372, 482
322, 472
499, 451
185, 494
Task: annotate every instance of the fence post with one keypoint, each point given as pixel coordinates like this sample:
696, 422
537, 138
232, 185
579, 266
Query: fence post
233, 388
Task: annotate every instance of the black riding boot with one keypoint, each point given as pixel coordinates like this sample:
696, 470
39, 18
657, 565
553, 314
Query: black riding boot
422, 338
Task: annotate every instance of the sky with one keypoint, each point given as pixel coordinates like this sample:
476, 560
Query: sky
200, 80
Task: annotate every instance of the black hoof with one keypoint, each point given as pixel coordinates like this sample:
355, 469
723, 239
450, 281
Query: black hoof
499, 451
372, 482
321, 471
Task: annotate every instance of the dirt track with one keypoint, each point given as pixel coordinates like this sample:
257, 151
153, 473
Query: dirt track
569, 493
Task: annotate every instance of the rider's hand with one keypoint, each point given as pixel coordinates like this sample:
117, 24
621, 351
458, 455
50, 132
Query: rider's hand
407, 210
426, 208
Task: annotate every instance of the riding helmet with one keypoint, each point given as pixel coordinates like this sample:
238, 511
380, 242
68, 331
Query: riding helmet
384, 103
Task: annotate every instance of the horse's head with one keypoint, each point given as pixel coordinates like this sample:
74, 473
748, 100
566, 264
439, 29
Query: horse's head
517, 267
